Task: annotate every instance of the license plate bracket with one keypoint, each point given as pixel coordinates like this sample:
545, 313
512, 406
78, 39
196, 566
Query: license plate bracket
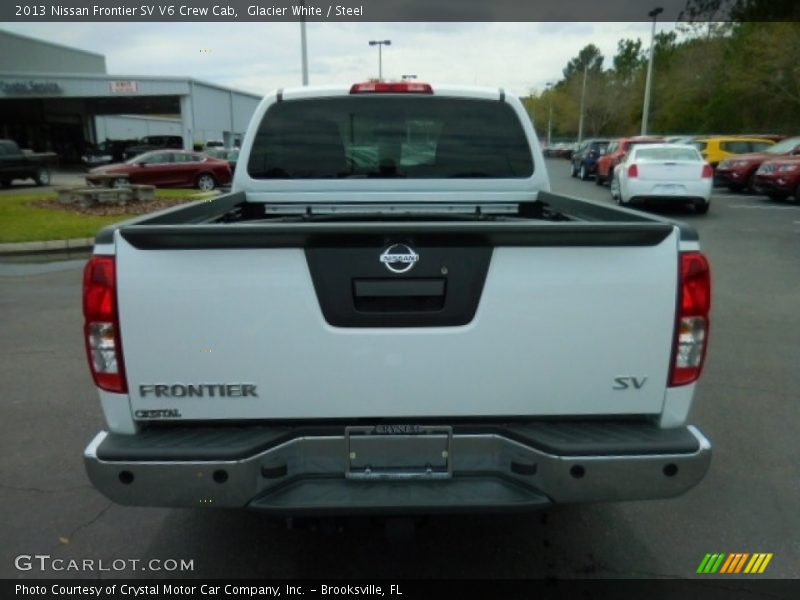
399, 452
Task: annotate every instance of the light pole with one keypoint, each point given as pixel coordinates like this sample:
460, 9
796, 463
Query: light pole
303, 46
380, 44
583, 100
304, 50
549, 87
646, 109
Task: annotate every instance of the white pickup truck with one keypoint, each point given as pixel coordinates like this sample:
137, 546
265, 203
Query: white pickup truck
391, 313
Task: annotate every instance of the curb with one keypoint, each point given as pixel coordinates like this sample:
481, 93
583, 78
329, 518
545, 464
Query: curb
47, 246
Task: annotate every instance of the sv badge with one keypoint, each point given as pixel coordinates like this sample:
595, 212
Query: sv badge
625, 383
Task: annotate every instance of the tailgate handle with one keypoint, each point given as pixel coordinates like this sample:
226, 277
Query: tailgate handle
398, 288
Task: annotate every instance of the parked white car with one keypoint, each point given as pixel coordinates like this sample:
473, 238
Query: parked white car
663, 173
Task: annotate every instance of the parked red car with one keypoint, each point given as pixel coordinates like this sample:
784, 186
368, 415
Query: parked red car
165, 168
738, 173
779, 178
614, 153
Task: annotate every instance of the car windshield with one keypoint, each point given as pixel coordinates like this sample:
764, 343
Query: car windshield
783, 147
412, 136
686, 153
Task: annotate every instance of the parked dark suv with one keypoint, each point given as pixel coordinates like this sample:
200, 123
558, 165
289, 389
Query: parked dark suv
154, 142
584, 160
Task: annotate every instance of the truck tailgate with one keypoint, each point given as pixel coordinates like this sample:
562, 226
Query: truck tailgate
232, 332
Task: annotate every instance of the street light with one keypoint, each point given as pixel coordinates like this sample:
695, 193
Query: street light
380, 44
646, 109
549, 87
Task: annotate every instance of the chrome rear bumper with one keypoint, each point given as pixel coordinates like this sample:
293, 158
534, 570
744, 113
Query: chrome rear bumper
302, 473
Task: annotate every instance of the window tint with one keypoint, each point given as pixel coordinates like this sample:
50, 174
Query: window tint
759, 146
735, 147
390, 136
160, 157
700, 145
686, 153
182, 157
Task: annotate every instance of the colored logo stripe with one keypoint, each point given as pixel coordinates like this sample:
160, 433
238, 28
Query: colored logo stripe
728, 564
711, 563
734, 563
758, 563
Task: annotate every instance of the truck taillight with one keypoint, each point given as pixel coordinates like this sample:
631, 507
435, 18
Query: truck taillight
633, 171
398, 87
101, 324
708, 171
691, 330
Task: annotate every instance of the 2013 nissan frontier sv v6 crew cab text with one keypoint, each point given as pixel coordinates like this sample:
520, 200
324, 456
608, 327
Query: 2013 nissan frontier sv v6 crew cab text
391, 313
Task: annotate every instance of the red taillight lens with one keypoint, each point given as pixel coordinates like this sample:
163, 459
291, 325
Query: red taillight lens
633, 171
708, 171
691, 331
101, 324
399, 87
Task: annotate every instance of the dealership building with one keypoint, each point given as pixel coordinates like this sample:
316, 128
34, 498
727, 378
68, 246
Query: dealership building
61, 99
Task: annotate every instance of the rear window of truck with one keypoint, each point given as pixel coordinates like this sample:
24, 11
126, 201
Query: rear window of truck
388, 136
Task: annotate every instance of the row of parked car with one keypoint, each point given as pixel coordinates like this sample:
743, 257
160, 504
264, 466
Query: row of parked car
765, 164
160, 160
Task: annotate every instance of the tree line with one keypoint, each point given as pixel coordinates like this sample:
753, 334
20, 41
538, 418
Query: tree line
708, 77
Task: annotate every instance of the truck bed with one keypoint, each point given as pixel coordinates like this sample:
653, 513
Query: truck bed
529, 307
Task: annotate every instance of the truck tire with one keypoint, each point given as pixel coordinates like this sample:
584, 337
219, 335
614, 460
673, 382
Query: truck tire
206, 182
42, 176
583, 174
597, 179
573, 172
701, 208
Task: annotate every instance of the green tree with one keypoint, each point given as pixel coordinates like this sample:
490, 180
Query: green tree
589, 58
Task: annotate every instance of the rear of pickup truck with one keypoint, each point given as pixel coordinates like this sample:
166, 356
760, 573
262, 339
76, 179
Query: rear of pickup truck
391, 313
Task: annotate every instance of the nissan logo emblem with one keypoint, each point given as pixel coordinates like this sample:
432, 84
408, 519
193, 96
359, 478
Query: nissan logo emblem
399, 258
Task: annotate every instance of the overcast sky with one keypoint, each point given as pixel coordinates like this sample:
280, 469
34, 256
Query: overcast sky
258, 57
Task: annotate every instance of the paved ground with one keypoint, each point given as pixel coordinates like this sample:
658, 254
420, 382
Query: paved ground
748, 403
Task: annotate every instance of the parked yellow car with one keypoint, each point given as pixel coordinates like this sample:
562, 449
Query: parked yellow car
715, 149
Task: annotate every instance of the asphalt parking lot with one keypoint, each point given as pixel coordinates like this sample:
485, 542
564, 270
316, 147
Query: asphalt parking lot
748, 403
